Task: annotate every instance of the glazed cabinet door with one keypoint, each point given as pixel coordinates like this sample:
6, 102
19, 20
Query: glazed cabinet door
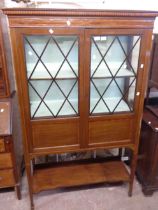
114, 89
51, 75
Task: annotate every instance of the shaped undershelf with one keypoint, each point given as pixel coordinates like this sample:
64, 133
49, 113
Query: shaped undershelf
76, 174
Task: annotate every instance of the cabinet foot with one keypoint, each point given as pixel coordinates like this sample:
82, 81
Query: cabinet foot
147, 192
32, 207
130, 193
18, 191
32, 203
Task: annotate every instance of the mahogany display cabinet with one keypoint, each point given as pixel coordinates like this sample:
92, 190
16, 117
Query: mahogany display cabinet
81, 78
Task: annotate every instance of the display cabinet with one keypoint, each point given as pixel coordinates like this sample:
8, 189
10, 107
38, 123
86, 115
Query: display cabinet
81, 78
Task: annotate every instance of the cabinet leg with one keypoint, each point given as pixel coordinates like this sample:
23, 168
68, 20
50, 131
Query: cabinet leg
32, 207
18, 191
31, 198
120, 152
46, 158
29, 178
133, 169
33, 161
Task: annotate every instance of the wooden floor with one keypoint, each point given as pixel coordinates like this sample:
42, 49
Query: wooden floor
79, 174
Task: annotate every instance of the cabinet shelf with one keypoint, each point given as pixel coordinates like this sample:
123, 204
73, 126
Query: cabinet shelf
68, 73
105, 73
76, 174
109, 77
60, 78
101, 108
65, 71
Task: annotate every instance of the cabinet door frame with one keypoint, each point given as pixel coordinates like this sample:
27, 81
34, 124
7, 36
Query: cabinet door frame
21, 77
136, 115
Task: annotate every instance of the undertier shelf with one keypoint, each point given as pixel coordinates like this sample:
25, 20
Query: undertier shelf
77, 174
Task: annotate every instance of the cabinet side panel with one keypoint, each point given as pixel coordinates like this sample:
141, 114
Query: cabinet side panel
55, 134
17, 133
110, 131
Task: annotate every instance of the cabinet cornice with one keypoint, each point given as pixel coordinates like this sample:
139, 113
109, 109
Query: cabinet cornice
79, 12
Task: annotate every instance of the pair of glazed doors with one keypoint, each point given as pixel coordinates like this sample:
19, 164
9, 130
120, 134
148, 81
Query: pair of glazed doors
86, 82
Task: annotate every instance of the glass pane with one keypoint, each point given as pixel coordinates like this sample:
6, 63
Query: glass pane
114, 64
61, 93
52, 72
56, 98
51, 56
42, 111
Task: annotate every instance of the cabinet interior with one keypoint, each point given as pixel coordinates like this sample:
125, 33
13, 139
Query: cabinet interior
52, 64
